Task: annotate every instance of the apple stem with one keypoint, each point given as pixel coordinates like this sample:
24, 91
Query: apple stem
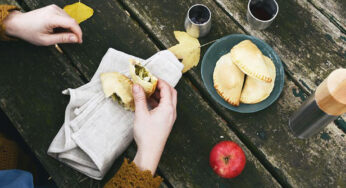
227, 159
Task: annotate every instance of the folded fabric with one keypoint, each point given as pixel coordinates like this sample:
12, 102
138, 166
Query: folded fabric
97, 130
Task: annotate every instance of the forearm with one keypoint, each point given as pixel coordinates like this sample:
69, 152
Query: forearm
148, 159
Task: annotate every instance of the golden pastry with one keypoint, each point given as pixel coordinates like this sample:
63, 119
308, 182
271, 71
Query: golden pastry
228, 80
119, 87
255, 90
141, 76
250, 60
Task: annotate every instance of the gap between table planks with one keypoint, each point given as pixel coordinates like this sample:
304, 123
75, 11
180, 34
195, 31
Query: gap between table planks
334, 10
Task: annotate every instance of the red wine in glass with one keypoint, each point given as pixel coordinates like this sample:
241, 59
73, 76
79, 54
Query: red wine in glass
262, 11
199, 14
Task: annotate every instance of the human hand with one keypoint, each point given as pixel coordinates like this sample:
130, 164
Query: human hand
152, 127
37, 26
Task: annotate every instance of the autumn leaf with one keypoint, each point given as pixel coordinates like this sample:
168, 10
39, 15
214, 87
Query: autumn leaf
79, 11
188, 50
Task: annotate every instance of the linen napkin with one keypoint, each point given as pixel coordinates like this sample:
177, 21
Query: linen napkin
97, 130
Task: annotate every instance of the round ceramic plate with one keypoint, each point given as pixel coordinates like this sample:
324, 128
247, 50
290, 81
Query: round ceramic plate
223, 46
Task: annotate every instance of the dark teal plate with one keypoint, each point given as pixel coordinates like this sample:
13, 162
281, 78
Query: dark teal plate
223, 46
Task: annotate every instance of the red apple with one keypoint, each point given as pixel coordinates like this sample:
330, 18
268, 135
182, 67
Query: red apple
227, 159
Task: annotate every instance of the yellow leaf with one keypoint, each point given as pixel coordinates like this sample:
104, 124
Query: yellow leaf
188, 50
79, 11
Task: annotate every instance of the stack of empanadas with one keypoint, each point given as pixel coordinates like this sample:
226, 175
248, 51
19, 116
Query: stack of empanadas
119, 87
244, 58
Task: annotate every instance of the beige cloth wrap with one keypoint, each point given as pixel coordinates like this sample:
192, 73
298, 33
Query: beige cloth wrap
96, 130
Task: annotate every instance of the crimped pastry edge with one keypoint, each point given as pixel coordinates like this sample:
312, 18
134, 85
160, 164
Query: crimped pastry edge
227, 99
243, 68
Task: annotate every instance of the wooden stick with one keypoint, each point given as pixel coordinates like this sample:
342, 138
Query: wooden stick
205, 44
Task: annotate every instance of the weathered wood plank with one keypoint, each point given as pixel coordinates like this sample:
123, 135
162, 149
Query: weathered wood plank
315, 162
333, 9
9, 2
31, 81
177, 159
308, 43
185, 162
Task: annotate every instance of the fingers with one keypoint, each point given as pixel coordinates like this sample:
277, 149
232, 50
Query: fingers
69, 23
165, 93
59, 38
168, 97
140, 100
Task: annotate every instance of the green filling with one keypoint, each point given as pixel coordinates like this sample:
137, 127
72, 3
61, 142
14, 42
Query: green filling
116, 98
142, 73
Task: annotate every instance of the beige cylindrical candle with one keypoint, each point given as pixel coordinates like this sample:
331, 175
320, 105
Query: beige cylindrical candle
330, 95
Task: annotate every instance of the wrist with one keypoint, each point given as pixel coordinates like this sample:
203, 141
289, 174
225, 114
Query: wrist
10, 23
148, 159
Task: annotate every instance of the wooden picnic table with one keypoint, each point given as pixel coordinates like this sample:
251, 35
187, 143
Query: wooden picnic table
308, 35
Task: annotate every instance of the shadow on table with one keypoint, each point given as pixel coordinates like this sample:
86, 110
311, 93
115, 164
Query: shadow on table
27, 160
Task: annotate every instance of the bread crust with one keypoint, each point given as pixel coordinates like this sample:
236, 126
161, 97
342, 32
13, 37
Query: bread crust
249, 59
228, 80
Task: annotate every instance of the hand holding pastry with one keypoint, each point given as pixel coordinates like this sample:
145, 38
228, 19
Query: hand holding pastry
152, 127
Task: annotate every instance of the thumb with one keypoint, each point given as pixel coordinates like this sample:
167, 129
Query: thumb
140, 100
60, 38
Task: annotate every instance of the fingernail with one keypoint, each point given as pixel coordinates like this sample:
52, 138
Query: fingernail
136, 88
73, 38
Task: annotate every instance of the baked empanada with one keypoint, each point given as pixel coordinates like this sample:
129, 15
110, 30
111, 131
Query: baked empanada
250, 60
255, 90
119, 87
141, 76
228, 80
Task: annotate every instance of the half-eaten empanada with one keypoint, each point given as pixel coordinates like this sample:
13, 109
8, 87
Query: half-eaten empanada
250, 60
228, 80
141, 76
119, 87
255, 90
